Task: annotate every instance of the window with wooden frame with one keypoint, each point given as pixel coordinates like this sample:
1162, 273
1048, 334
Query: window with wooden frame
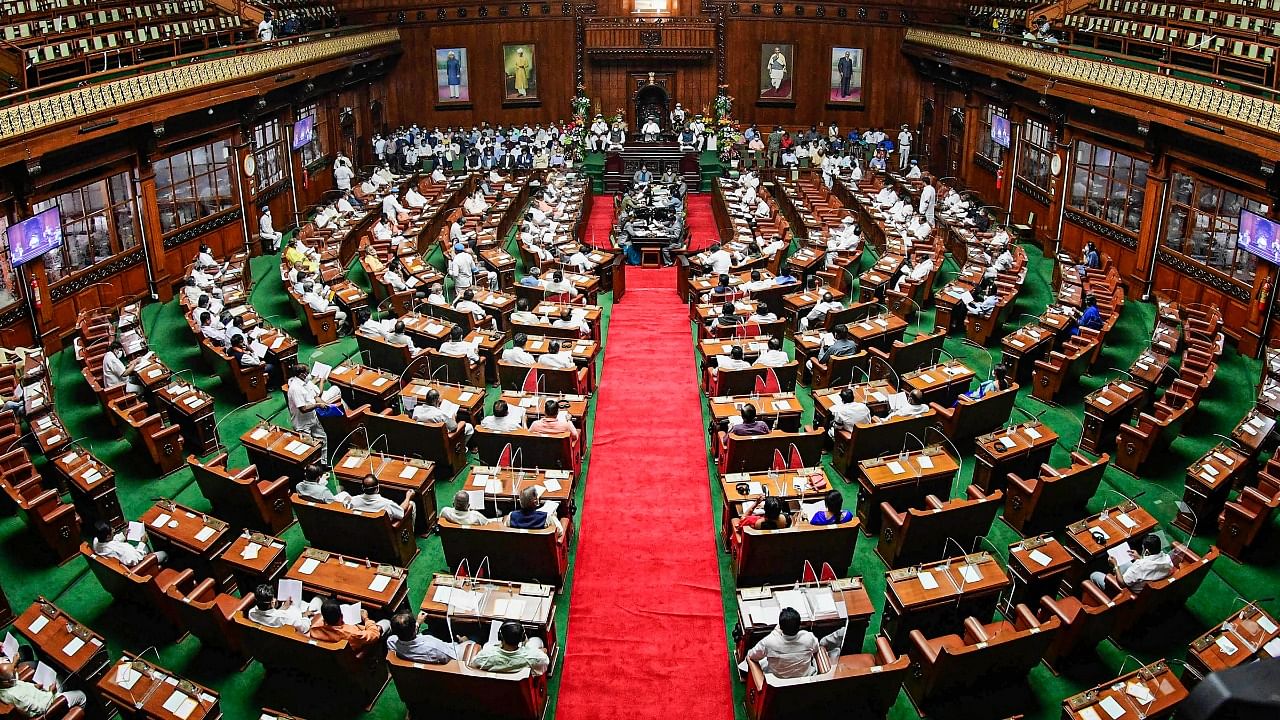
314, 150
268, 153
1109, 186
193, 184
99, 221
987, 147
1035, 150
1202, 223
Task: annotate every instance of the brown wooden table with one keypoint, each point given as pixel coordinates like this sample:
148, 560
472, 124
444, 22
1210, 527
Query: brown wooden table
92, 484
188, 533
1038, 566
362, 385
466, 604
501, 487
351, 580
1022, 347
874, 394
63, 643
415, 477
1017, 449
824, 607
1110, 699
469, 399
903, 481
1118, 524
142, 690
426, 331
783, 410
1105, 409
879, 331
1208, 483
280, 452
1239, 639
191, 409
941, 383
936, 597
252, 558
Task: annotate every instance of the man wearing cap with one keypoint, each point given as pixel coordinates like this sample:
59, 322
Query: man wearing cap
270, 238
599, 129
914, 172
904, 147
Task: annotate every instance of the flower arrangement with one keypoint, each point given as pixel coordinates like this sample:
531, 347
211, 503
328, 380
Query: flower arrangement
576, 132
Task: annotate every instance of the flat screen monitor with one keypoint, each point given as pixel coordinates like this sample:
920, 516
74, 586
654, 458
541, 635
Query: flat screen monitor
303, 131
1259, 236
34, 236
1000, 131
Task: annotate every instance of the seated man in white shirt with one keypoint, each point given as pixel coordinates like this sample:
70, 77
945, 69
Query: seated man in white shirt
568, 321
270, 612
504, 418
555, 357
817, 315
914, 274
417, 647
461, 511
415, 199
212, 330
516, 354
431, 409
915, 405
846, 413
457, 346
28, 699
718, 260
733, 361
523, 316
558, 285
436, 296
514, 652
1002, 263
1151, 565
205, 261
467, 304
762, 210
774, 356
371, 500
985, 301
920, 227
789, 651
398, 336
109, 543
475, 204
887, 197
315, 301
315, 486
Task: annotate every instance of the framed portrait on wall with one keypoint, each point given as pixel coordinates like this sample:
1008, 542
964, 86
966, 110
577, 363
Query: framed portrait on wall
519, 74
777, 73
845, 77
453, 78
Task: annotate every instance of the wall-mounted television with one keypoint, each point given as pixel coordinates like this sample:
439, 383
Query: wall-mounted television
1259, 236
34, 236
303, 131
1000, 131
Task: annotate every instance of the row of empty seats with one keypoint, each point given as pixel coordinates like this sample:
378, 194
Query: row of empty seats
31, 30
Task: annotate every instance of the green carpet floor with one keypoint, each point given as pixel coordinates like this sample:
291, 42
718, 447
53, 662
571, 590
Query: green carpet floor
28, 572
1229, 398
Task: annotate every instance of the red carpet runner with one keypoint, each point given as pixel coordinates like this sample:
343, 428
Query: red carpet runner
701, 222
600, 221
646, 627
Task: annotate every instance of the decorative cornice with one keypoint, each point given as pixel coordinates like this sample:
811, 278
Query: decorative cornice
1100, 228
270, 193
1202, 274
192, 232
84, 102
96, 274
12, 315
657, 52
1197, 98
1031, 191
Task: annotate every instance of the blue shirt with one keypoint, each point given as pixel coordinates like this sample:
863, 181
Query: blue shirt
822, 517
532, 520
1091, 318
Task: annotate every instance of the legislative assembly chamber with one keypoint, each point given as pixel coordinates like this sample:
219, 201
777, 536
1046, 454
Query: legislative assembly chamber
643, 359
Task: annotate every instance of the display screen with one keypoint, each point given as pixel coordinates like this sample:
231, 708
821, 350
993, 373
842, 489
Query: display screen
1259, 236
34, 236
303, 131
1000, 131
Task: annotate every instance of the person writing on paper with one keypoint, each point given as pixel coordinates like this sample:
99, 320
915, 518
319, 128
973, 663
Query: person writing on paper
750, 424
303, 396
330, 626
1151, 565
414, 645
833, 512
461, 513
788, 651
528, 514
847, 413
513, 652
315, 486
29, 699
371, 500
269, 611
431, 410
109, 543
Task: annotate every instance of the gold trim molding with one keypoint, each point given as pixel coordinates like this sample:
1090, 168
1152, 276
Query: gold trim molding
1198, 98
85, 102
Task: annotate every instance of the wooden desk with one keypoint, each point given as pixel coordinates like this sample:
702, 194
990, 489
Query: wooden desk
191, 409
426, 331
584, 351
943, 607
469, 399
501, 487
1105, 409
781, 410
137, 689
1252, 431
473, 605
249, 572
282, 348
751, 347
810, 484
903, 481
824, 607
62, 642
1110, 699
92, 484
1118, 524
1208, 484
941, 383
415, 477
874, 394
352, 580
153, 374
280, 452
1017, 449
1038, 566
51, 435
1148, 369
362, 385
1240, 638
879, 331
1023, 347
533, 403
179, 529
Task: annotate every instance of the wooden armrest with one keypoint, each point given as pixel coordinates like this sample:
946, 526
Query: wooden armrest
1089, 591
1027, 487
932, 502
204, 590
1049, 608
271, 488
1025, 619
974, 633
891, 516
920, 644
973, 492
884, 651
945, 412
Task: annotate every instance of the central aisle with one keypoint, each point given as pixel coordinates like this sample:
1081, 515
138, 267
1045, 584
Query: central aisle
646, 626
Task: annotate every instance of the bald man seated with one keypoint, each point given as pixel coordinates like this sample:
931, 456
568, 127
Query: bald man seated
29, 699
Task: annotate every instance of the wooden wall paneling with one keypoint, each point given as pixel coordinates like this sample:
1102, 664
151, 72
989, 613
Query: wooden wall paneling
608, 83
